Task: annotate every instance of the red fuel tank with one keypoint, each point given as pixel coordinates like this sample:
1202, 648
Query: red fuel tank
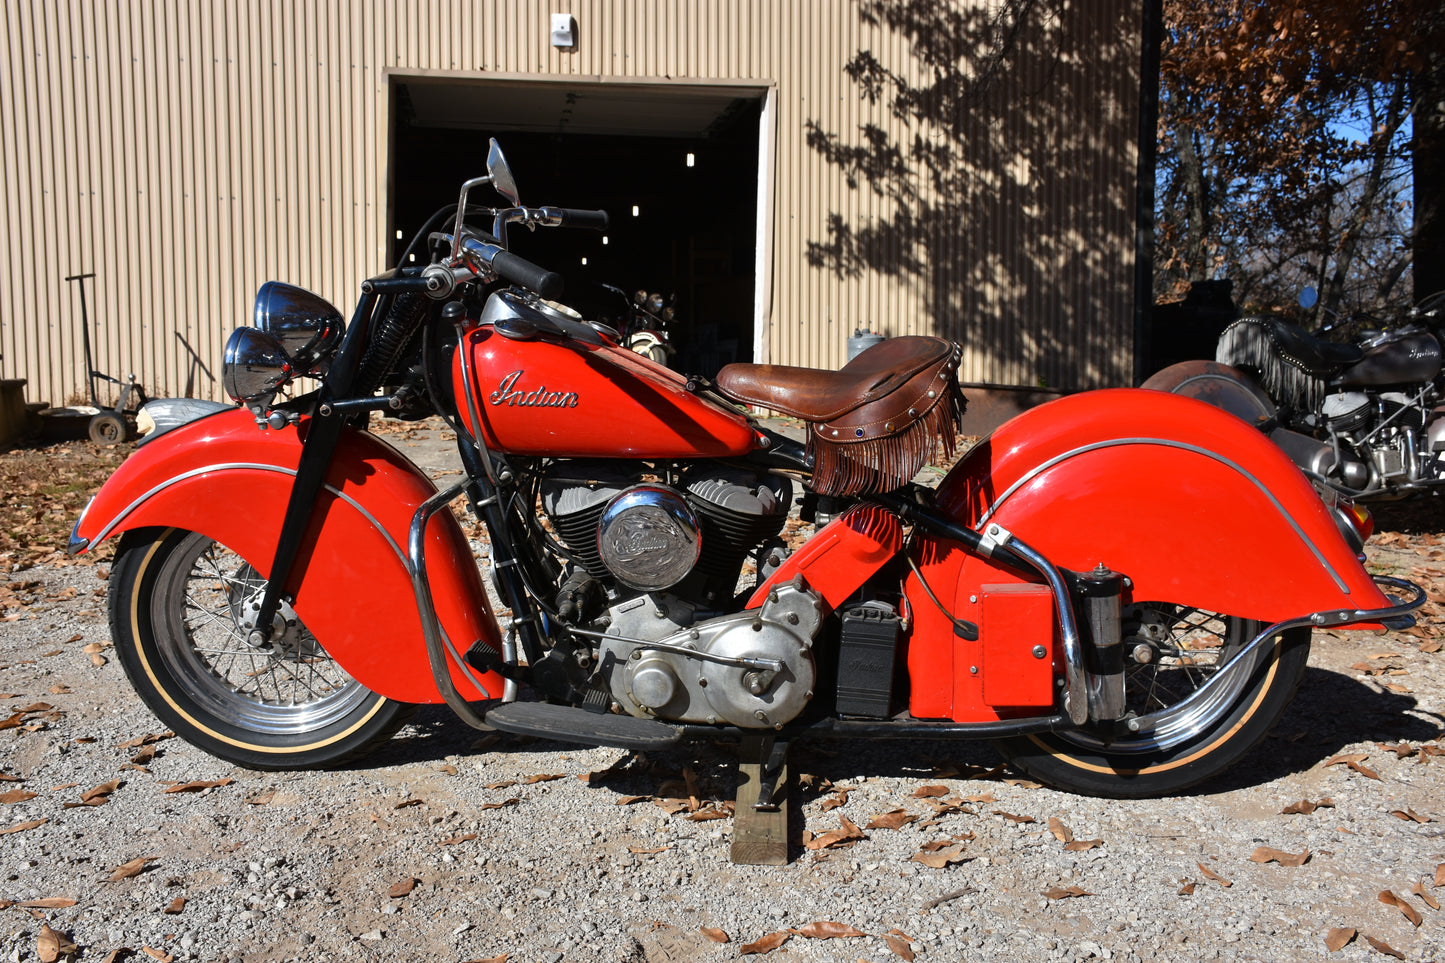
563, 398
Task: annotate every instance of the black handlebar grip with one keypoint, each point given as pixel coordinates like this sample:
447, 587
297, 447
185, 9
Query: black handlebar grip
521, 271
588, 220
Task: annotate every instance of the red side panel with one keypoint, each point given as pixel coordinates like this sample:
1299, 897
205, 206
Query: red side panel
841, 556
228, 479
1190, 503
1017, 632
575, 400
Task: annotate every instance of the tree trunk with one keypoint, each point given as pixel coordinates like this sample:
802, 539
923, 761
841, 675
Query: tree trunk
1428, 151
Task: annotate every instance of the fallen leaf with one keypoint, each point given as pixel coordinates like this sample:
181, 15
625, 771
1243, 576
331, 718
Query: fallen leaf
505, 802
160, 955
850, 833
1083, 845
53, 902
177, 904
457, 840
1426, 895
197, 785
1265, 854
1187, 889
704, 815
132, 868
827, 930
713, 933
507, 784
261, 798
22, 827
1440, 875
544, 777
894, 819
403, 888
939, 858
1021, 820
1411, 913
17, 795
671, 806
764, 945
1338, 938
99, 794
1409, 815
449, 769
144, 757
1384, 947
629, 800
833, 802
1353, 760
1304, 807
408, 803
146, 740
51, 944
899, 946
930, 792
1066, 892
1211, 874
1061, 832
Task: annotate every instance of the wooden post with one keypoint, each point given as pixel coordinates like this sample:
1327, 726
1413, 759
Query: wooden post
760, 836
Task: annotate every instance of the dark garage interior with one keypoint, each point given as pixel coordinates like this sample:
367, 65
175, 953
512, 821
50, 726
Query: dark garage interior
619, 148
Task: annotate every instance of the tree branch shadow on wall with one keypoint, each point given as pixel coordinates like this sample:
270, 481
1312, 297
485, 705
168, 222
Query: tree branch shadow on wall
1003, 200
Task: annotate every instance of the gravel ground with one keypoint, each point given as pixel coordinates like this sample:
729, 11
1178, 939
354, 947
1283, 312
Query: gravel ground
456, 845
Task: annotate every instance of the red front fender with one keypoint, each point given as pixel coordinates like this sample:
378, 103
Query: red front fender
1190, 503
226, 478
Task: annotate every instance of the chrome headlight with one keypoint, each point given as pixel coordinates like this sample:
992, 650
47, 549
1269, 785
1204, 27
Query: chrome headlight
307, 327
255, 367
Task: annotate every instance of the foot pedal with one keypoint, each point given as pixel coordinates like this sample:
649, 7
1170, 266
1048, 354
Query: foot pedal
572, 724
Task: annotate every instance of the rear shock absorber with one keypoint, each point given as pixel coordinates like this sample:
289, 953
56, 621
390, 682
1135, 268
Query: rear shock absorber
1100, 592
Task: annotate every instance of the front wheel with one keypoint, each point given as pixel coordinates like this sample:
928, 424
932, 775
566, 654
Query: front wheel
1170, 651
179, 609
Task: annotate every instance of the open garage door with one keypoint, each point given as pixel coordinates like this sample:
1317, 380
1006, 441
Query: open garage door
675, 165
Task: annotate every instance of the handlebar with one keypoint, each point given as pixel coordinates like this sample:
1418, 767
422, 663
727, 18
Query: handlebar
521, 271
574, 217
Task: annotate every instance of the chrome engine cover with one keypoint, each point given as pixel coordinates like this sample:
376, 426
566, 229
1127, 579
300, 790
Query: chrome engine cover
713, 686
649, 538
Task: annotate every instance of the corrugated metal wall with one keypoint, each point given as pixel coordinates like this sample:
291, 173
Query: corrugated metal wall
186, 152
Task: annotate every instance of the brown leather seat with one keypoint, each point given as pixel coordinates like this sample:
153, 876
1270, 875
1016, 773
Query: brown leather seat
815, 395
871, 424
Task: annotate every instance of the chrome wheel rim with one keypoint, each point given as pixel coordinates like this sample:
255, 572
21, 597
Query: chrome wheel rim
1188, 645
292, 687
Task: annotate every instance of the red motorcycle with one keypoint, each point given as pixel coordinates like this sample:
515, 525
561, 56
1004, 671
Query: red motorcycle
1118, 588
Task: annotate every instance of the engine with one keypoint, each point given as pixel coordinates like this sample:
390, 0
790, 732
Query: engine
1383, 434
638, 535
661, 559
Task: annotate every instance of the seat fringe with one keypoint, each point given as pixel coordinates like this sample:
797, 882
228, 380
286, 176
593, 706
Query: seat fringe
880, 465
1246, 344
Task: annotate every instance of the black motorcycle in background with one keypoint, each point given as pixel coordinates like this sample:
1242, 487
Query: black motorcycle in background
1363, 419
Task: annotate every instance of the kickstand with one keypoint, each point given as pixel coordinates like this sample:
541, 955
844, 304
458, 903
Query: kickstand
760, 820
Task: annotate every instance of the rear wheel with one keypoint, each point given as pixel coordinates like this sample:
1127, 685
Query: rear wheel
181, 607
1183, 744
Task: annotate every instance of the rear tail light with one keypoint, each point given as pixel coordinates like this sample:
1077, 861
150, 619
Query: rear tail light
1355, 522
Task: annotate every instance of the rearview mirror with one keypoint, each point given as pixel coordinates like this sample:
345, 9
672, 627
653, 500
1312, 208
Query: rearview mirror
502, 178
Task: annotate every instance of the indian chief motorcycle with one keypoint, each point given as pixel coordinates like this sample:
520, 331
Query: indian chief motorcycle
1117, 588
1362, 419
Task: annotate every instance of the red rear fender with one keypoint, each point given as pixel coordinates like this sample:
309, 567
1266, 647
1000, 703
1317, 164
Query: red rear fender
1191, 504
227, 478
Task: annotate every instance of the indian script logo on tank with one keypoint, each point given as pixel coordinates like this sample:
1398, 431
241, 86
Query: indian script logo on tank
509, 392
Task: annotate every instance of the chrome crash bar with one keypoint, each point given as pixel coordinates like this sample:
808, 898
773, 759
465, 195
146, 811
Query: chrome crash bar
1395, 616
